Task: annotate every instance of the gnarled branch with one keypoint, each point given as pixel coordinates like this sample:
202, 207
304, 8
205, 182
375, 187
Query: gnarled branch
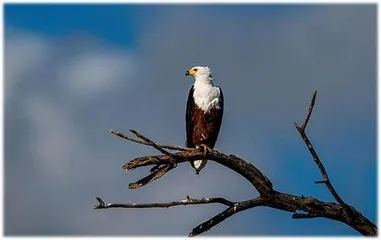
301, 207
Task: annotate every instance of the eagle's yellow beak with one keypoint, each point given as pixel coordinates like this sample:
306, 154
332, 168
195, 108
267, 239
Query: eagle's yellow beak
190, 72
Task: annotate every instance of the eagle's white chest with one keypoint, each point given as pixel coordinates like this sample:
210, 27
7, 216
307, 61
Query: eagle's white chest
206, 96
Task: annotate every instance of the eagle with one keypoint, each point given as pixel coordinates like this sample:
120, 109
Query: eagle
205, 107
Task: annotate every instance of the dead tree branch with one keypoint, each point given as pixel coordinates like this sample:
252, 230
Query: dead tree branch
301, 207
238, 207
167, 146
301, 130
186, 201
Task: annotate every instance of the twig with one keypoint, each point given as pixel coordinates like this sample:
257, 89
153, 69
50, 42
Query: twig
146, 161
187, 201
167, 146
315, 156
309, 111
158, 173
173, 159
150, 142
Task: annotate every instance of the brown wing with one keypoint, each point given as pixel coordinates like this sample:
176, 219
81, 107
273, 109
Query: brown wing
189, 120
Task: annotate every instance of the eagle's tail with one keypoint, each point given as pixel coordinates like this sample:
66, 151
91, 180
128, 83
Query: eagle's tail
199, 164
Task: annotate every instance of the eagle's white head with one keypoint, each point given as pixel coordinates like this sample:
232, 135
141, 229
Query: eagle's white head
200, 74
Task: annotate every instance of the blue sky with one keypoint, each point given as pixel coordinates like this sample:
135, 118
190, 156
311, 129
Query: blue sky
102, 21
72, 72
115, 23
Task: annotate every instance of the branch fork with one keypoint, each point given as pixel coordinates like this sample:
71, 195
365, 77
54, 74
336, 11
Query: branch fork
301, 207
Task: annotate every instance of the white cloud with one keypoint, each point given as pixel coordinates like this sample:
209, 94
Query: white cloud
24, 54
53, 138
92, 72
35, 64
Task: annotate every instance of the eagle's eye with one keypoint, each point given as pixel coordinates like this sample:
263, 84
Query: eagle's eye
195, 69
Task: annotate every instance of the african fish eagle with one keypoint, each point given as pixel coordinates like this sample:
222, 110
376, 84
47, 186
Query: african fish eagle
205, 107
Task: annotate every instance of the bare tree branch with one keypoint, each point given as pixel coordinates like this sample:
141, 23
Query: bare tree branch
245, 169
238, 207
315, 156
186, 201
151, 143
160, 171
167, 146
301, 207
309, 111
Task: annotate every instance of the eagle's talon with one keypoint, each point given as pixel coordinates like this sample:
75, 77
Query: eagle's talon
206, 149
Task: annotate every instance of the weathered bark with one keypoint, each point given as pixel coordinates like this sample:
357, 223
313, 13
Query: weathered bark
268, 196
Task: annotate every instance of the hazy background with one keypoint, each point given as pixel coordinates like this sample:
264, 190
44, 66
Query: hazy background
72, 72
